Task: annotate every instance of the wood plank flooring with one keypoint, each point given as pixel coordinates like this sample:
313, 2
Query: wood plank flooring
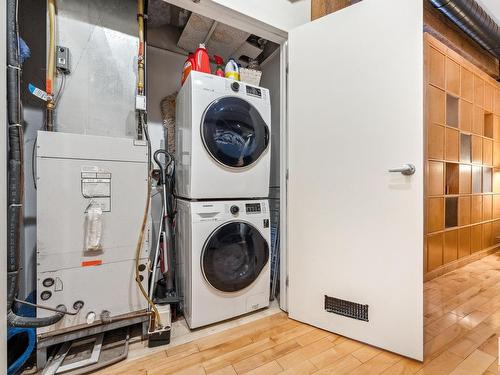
462, 325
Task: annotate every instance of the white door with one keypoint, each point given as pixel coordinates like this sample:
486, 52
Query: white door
355, 230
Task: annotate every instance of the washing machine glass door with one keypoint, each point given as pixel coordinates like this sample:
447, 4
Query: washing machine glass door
234, 256
233, 132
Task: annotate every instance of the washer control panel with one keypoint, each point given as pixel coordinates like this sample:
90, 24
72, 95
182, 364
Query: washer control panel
253, 208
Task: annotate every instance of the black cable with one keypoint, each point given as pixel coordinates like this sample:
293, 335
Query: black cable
33, 159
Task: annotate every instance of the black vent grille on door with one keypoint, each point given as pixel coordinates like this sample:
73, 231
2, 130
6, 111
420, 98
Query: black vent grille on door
346, 308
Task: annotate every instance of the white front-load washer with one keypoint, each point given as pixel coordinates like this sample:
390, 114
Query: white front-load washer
223, 254
223, 130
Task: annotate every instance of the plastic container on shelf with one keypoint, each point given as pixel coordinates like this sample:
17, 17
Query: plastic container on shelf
232, 70
202, 60
188, 66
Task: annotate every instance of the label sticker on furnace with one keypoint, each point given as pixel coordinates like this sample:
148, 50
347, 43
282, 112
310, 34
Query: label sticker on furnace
96, 186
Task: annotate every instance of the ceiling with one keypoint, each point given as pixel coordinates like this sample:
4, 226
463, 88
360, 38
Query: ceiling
492, 7
176, 29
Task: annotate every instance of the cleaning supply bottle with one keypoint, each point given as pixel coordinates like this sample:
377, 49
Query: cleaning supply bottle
202, 60
232, 70
188, 66
219, 71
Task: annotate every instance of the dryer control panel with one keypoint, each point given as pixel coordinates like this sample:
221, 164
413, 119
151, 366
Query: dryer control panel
254, 91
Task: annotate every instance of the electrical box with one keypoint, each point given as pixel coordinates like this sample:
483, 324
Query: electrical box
91, 199
62, 59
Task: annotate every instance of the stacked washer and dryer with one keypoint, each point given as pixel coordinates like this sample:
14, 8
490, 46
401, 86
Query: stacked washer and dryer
222, 181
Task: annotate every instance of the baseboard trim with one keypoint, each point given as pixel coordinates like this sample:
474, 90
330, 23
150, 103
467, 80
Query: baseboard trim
460, 263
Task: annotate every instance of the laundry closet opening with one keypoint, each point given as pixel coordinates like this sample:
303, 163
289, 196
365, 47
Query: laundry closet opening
224, 135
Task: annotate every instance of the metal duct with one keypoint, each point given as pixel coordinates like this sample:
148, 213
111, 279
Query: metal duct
469, 16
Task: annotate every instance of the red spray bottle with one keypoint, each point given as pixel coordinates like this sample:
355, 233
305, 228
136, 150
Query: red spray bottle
219, 71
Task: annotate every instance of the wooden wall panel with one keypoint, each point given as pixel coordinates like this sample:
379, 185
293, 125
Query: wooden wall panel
466, 115
463, 159
465, 179
437, 105
487, 207
452, 137
450, 250
452, 77
435, 209
463, 242
476, 238
467, 85
487, 152
435, 182
434, 251
478, 91
476, 212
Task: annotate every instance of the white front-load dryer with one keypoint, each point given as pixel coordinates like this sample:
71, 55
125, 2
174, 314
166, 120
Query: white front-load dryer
223, 130
223, 252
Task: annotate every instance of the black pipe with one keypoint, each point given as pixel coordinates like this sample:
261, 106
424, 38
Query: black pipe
471, 18
15, 193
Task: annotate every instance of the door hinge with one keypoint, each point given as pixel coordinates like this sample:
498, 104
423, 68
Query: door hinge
286, 175
286, 281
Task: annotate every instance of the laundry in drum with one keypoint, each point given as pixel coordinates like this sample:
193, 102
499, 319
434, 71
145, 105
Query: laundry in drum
235, 144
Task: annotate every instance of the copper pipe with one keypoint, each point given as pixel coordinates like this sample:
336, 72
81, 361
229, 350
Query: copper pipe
140, 60
49, 83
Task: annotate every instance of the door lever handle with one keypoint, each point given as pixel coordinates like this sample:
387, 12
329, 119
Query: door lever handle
405, 169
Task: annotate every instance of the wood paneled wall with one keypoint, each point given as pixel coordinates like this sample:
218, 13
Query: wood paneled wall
462, 192
320, 8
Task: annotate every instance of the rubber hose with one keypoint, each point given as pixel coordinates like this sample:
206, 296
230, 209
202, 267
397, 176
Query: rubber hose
14, 320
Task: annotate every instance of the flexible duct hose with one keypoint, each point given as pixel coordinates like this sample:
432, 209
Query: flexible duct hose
14, 320
469, 16
15, 196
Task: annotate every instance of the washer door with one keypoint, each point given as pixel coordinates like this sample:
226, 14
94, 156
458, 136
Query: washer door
234, 256
233, 132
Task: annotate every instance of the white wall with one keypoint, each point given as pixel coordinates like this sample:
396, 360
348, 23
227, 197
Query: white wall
283, 14
492, 7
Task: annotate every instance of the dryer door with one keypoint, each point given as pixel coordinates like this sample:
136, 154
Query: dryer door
234, 256
234, 132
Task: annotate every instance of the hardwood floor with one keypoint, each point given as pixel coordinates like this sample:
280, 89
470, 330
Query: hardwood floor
462, 325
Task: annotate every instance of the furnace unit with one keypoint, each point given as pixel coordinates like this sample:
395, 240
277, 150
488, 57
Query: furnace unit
91, 199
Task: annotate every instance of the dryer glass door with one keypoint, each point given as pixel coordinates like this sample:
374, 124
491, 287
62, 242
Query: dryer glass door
234, 256
234, 132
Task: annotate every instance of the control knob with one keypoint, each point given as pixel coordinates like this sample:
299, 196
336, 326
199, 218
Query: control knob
235, 86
